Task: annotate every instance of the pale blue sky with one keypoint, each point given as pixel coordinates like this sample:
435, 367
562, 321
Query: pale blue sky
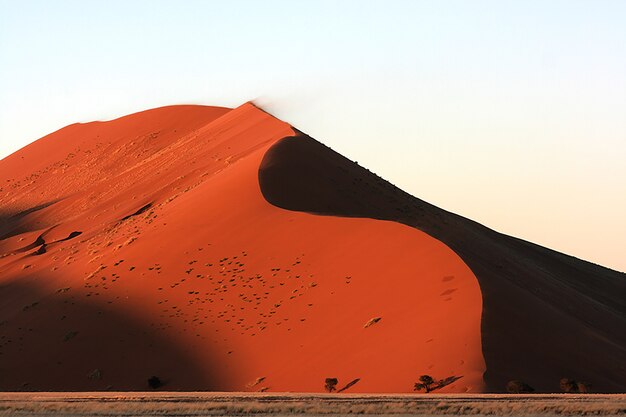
512, 113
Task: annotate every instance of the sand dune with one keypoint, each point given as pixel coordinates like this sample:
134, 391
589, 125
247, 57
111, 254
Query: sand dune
219, 288
545, 315
222, 249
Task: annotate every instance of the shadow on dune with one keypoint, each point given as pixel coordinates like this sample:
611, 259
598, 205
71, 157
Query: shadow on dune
60, 342
15, 223
546, 315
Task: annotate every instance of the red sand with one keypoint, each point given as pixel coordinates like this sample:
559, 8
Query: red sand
183, 270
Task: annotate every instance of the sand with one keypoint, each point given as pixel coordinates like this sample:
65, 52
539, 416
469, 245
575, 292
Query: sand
222, 249
545, 315
155, 253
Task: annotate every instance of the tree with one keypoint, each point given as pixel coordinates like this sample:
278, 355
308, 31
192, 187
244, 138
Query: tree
568, 385
584, 387
330, 384
426, 383
154, 382
519, 387
571, 386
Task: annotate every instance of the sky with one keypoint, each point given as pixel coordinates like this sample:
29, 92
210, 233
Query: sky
511, 113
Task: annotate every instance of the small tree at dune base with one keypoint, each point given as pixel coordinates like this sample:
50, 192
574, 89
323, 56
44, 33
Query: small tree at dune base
426, 383
154, 382
429, 384
330, 384
571, 386
518, 387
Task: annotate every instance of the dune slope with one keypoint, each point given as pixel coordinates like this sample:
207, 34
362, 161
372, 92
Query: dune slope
545, 315
147, 246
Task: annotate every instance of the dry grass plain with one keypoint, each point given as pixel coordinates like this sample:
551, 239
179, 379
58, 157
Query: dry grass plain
237, 404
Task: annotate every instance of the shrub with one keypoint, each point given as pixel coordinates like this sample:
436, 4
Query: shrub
584, 387
426, 382
518, 387
330, 384
568, 385
154, 382
571, 386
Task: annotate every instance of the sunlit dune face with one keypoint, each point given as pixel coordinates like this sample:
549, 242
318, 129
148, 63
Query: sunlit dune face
145, 247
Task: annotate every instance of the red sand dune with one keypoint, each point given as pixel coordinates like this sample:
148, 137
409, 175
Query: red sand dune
221, 249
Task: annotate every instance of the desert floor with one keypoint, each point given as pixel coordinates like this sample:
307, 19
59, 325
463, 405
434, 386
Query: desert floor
213, 404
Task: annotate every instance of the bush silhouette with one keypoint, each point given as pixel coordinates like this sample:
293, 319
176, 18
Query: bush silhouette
330, 384
429, 384
568, 385
426, 382
518, 387
571, 386
584, 387
155, 382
